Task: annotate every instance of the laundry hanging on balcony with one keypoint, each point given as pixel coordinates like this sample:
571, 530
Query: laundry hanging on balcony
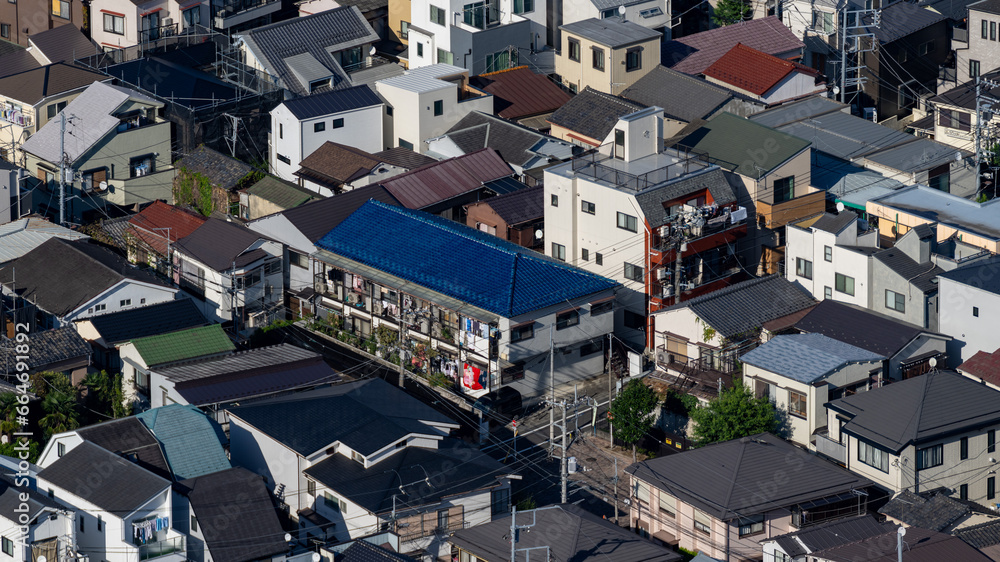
145, 531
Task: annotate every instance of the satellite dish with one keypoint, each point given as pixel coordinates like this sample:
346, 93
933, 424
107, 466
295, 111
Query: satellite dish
958, 156
103, 186
901, 531
836, 90
288, 537
538, 234
372, 51
932, 362
621, 10
41, 558
840, 206
315, 557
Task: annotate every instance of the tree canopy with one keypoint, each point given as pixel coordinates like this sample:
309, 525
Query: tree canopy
735, 413
728, 12
631, 411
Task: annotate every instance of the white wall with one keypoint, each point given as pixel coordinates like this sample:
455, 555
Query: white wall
809, 244
138, 292
296, 139
579, 11
956, 318
413, 113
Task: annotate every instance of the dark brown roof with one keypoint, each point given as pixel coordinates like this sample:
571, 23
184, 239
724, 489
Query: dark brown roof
440, 181
519, 206
404, 158
983, 365
16, 62
129, 438
31, 86
335, 163
315, 219
218, 244
519, 92
63, 43
922, 545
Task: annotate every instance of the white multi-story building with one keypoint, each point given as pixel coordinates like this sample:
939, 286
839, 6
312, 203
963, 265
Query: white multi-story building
822, 249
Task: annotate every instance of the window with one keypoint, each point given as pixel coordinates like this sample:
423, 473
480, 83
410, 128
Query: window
420, 49
567, 319
338, 123
388, 110
554, 200
609, 13
973, 68
963, 492
100, 523
438, 108
298, 260
668, 504
100, 307
60, 9
81, 523
702, 523
282, 158
902, 55
404, 30
975, 311
125, 302
8, 546
599, 260
281, 130
633, 59
114, 24
633, 272
191, 17
311, 487
796, 404
61, 449
559, 251
574, 49
141, 166
986, 25
751, 525
634, 320
500, 500
598, 58
442, 519
991, 488
803, 268
445, 57
406, 144
5, 30
150, 26
642, 491
827, 253
334, 503
823, 22
628, 222
993, 31
845, 284
524, 6
784, 189
930, 457
873, 456
588, 207
963, 448
601, 307
926, 48
573, 88
522, 332
319, 127
437, 15
54, 108
591, 347
991, 441
585, 254
194, 524
895, 301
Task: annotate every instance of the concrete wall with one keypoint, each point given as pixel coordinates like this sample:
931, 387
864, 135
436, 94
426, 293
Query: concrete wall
957, 319
920, 308
413, 113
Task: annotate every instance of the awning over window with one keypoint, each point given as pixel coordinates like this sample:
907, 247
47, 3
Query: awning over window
827, 501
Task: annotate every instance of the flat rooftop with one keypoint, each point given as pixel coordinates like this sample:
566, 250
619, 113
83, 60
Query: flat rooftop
639, 174
937, 206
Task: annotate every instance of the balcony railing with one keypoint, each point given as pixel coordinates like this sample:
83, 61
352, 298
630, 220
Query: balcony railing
604, 167
960, 35
415, 529
776, 215
232, 8
691, 233
161, 548
831, 448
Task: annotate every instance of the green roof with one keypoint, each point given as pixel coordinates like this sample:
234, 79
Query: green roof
282, 193
185, 344
742, 146
191, 441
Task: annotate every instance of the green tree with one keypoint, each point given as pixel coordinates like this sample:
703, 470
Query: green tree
104, 393
728, 12
42, 383
8, 413
735, 413
631, 411
60, 413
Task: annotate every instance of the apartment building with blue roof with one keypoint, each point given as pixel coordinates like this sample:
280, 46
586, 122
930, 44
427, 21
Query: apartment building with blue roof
486, 305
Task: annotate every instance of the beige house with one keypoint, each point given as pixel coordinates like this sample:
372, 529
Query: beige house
726, 499
609, 55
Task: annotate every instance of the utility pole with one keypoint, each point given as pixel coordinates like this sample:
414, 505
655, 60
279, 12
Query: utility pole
402, 335
985, 106
611, 427
852, 21
62, 168
564, 470
552, 392
615, 481
679, 246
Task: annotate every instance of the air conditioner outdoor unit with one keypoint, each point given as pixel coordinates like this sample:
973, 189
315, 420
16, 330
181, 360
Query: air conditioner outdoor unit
661, 357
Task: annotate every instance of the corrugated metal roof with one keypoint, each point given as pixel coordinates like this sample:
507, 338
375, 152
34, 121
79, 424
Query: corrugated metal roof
945, 208
849, 183
469, 265
806, 357
846, 136
332, 102
797, 111
440, 181
611, 32
424, 78
519, 92
24, 235
917, 156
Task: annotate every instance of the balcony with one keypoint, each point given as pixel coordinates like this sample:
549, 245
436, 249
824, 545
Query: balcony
229, 13
640, 174
413, 528
729, 224
700, 377
830, 448
16, 116
777, 215
163, 548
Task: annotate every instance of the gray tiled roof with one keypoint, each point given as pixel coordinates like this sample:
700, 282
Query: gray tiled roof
592, 113
363, 551
365, 416
923, 545
919, 155
860, 327
256, 534
336, 101
921, 275
834, 533
983, 534
919, 409
806, 357
218, 243
404, 157
317, 218
570, 532
10, 497
934, 513
373, 488
611, 32
478, 130
125, 488
40, 274
319, 35
681, 96
834, 223
721, 479
134, 323
63, 43
740, 308
519, 206
223, 171
902, 19
991, 6
48, 349
129, 437
713, 179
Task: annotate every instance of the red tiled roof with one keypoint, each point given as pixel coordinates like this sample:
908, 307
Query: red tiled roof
519, 92
752, 70
985, 366
440, 181
150, 225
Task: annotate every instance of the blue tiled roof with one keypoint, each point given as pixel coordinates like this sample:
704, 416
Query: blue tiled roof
458, 261
191, 441
806, 357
